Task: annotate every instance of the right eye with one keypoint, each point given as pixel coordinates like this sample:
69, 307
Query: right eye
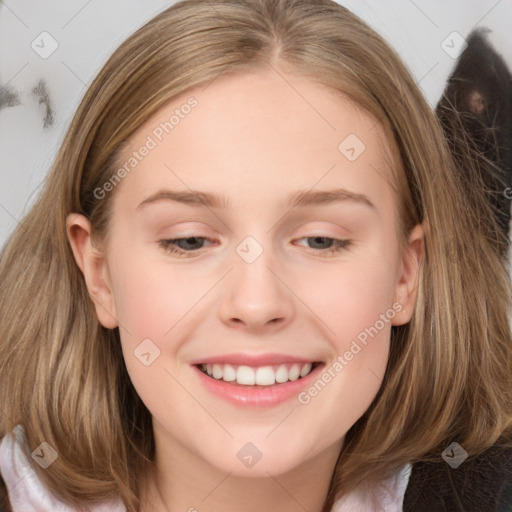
338, 245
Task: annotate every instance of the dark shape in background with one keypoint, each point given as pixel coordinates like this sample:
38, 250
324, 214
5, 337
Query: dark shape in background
41, 91
8, 97
476, 114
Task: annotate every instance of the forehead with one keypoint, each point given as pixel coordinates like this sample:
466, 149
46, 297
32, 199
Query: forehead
261, 130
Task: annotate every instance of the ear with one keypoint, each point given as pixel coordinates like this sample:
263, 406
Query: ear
406, 290
93, 265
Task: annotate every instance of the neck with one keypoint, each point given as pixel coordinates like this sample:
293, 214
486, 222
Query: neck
181, 481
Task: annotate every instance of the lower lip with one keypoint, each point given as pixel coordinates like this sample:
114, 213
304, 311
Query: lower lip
254, 395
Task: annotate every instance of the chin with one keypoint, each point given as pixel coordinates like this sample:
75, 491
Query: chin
257, 459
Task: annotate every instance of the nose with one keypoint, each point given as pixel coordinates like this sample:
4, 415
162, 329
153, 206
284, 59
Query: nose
256, 297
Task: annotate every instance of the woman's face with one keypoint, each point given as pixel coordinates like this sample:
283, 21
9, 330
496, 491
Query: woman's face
288, 264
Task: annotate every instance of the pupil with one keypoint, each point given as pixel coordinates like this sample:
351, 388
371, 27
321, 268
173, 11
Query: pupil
318, 239
191, 239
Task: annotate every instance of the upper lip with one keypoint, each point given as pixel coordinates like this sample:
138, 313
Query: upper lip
253, 360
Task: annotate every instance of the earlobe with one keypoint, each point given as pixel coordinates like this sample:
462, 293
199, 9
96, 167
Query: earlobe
93, 265
407, 287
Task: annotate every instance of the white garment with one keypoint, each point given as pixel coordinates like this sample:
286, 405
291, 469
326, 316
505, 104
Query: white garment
359, 501
27, 493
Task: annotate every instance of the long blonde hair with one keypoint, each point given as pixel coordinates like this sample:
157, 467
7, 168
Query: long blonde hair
62, 375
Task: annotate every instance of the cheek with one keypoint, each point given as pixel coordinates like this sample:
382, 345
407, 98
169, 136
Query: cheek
358, 312
150, 298
157, 305
349, 298
149, 303
141, 303
366, 326
355, 304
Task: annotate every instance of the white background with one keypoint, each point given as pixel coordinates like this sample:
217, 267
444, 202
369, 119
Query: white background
88, 31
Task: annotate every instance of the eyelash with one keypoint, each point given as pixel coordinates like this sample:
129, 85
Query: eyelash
170, 247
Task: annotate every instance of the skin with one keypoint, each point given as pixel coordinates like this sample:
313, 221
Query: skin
256, 140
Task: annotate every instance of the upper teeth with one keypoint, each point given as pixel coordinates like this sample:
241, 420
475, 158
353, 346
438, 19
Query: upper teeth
261, 375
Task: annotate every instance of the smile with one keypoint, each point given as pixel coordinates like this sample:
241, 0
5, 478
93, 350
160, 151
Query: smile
268, 375
257, 381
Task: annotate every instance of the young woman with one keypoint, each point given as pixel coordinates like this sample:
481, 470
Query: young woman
253, 280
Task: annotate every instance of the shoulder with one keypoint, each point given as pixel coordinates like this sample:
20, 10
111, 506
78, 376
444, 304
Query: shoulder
482, 484
22, 489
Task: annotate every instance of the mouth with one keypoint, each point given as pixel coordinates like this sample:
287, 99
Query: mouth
258, 376
256, 380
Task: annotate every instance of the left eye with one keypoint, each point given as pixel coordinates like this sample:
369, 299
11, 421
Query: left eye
187, 246
173, 245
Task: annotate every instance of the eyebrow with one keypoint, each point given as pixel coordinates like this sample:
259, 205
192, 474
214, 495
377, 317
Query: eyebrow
301, 198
